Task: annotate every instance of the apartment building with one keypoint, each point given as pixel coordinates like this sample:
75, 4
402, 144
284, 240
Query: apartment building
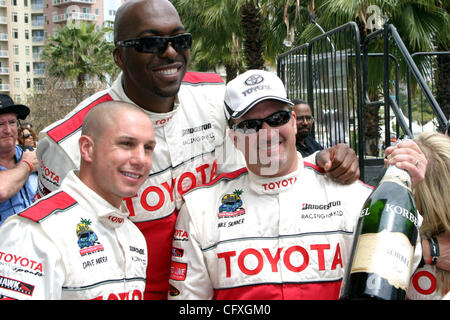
24, 28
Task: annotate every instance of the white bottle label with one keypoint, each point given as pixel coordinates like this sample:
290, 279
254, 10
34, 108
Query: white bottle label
387, 254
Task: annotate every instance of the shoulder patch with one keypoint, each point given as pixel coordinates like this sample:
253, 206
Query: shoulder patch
202, 77
73, 123
59, 201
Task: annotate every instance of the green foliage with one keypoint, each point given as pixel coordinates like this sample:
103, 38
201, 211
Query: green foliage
80, 52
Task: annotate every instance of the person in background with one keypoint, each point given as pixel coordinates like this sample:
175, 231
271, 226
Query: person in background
27, 137
305, 142
78, 243
432, 198
152, 48
17, 166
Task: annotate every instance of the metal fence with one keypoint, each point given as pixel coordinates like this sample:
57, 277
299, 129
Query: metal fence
396, 57
326, 72
342, 80
416, 99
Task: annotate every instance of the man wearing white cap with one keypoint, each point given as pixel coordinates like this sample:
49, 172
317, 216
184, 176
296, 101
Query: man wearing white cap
278, 228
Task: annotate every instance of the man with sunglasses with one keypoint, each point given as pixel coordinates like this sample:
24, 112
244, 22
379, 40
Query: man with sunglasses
276, 229
152, 49
306, 144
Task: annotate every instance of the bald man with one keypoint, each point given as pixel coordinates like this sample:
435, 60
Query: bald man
78, 243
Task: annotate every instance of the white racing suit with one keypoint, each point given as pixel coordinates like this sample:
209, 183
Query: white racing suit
189, 151
248, 237
72, 244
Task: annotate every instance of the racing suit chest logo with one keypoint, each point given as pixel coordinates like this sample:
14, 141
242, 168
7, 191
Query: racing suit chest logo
231, 209
295, 258
276, 185
87, 238
154, 196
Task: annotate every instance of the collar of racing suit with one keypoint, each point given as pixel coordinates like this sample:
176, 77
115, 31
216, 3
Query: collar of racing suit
158, 119
264, 185
91, 201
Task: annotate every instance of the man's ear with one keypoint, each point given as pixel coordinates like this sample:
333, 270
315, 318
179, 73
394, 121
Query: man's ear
232, 137
294, 123
86, 145
117, 54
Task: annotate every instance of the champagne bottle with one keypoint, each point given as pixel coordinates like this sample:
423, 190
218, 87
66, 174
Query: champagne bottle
385, 237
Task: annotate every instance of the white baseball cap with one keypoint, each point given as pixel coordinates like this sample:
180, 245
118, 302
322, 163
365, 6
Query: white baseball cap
246, 90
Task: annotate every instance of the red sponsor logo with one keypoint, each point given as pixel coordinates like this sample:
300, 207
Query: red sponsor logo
161, 122
21, 261
279, 184
182, 184
16, 285
178, 271
424, 282
49, 174
116, 219
181, 235
177, 252
130, 295
89, 250
231, 214
264, 256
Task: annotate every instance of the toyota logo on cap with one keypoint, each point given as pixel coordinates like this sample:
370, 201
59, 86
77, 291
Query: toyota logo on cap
254, 79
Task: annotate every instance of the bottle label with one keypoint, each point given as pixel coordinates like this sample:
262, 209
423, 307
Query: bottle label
387, 254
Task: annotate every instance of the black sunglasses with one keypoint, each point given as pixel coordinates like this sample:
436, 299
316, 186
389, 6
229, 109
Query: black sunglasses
26, 135
158, 45
276, 119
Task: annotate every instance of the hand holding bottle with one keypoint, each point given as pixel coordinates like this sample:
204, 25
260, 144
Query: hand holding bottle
408, 156
383, 252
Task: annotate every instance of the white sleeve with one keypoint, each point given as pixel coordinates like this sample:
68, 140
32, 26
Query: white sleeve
30, 265
189, 277
54, 164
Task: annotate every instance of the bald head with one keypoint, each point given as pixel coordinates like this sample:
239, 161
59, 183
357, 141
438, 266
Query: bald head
125, 21
116, 150
105, 115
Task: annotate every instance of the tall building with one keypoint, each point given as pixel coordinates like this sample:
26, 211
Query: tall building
25, 26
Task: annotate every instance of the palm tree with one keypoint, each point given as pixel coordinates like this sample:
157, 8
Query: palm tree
252, 24
232, 33
79, 52
216, 32
442, 79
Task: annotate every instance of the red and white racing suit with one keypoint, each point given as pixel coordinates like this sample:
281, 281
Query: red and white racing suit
248, 237
72, 244
423, 285
189, 151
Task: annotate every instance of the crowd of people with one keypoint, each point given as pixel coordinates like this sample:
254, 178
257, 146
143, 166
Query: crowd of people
138, 165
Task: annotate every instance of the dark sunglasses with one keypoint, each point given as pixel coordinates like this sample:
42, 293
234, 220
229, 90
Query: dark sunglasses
158, 45
26, 135
276, 119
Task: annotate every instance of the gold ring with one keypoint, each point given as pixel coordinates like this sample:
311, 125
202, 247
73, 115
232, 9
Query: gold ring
416, 163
